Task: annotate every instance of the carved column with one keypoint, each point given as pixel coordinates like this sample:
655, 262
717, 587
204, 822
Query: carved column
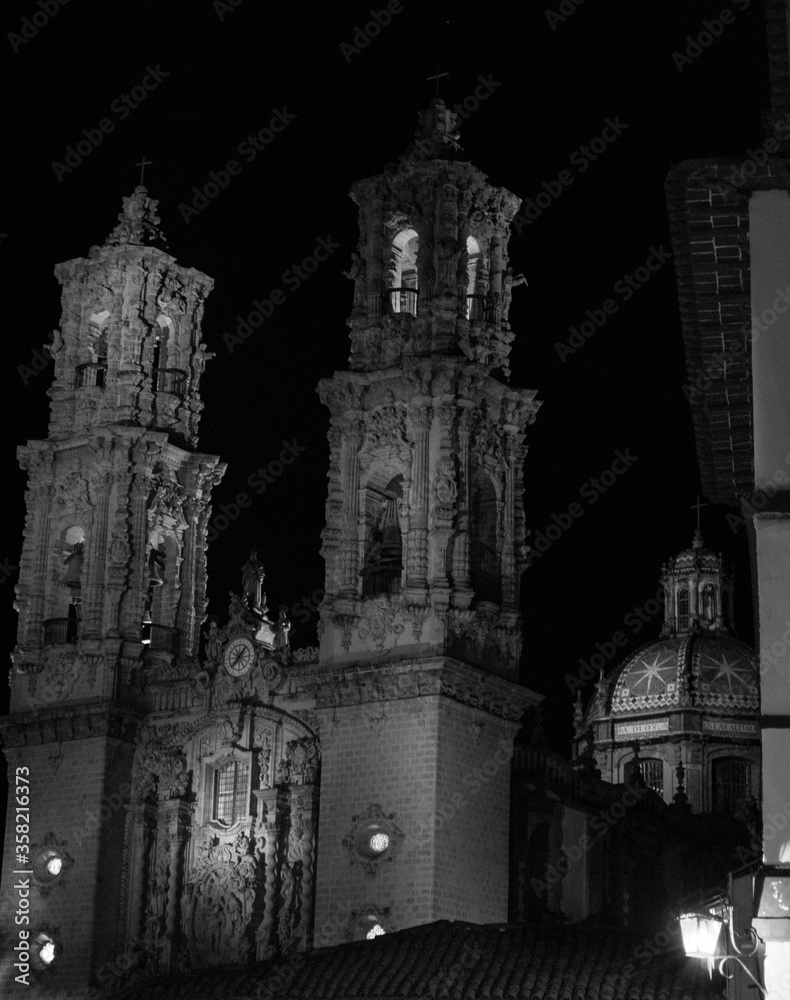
97, 552
508, 560
178, 833
417, 541
274, 805
461, 549
305, 803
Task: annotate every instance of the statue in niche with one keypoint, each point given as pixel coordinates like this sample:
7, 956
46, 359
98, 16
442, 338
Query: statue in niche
252, 577
357, 274
283, 629
213, 642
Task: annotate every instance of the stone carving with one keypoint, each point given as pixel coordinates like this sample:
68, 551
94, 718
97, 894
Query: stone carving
253, 575
373, 821
380, 620
160, 768
301, 764
60, 674
219, 901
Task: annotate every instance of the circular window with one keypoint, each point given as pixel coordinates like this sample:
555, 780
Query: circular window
49, 864
373, 840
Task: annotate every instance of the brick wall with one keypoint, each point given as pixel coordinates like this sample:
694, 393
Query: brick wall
415, 758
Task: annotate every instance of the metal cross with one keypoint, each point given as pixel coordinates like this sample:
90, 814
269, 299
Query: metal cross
437, 77
145, 163
698, 506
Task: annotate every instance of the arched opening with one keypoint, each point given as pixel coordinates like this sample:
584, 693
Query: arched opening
730, 784
485, 575
401, 296
383, 563
66, 600
159, 605
94, 371
164, 376
475, 290
683, 610
708, 604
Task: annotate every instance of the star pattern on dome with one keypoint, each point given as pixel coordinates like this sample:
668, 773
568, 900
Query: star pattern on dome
717, 670
653, 676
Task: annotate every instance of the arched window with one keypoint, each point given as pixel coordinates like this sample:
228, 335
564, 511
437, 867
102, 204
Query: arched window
383, 565
683, 609
231, 791
708, 604
165, 377
484, 570
730, 784
475, 291
94, 371
402, 291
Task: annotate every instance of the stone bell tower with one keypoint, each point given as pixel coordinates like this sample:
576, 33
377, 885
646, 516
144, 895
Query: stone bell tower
113, 570
424, 546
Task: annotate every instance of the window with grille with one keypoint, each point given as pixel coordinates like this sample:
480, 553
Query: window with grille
230, 792
730, 784
652, 772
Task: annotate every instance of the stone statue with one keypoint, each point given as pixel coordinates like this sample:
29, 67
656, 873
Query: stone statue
252, 577
283, 628
357, 274
213, 642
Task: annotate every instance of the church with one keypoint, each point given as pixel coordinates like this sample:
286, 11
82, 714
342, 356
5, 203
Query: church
210, 797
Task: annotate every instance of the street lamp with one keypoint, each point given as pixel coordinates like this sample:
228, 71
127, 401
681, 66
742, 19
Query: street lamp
701, 932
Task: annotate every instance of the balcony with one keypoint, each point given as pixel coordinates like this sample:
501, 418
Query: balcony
172, 380
61, 631
159, 638
92, 373
400, 300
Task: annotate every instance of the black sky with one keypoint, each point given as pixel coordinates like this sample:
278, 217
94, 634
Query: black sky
228, 69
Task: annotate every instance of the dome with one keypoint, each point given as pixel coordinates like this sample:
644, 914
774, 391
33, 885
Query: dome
694, 670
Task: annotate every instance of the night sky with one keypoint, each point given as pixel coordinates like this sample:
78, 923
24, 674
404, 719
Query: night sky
220, 74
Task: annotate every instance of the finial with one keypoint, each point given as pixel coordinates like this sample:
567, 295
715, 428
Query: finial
142, 165
680, 799
437, 76
578, 715
138, 223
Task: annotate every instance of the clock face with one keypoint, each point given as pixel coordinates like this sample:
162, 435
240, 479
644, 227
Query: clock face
239, 656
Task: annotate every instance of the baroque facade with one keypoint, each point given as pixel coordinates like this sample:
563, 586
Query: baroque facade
200, 802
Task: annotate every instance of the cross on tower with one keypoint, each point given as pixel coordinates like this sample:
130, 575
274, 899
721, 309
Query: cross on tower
698, 506
437, 76
142, 165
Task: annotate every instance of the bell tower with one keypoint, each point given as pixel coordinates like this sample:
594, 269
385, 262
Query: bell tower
113, 570
424, 546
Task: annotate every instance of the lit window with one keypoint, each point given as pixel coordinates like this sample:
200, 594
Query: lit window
230, 792
54, 866
379, 842
47, 952
375, 931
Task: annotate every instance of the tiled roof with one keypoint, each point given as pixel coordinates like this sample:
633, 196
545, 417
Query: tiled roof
461, 961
